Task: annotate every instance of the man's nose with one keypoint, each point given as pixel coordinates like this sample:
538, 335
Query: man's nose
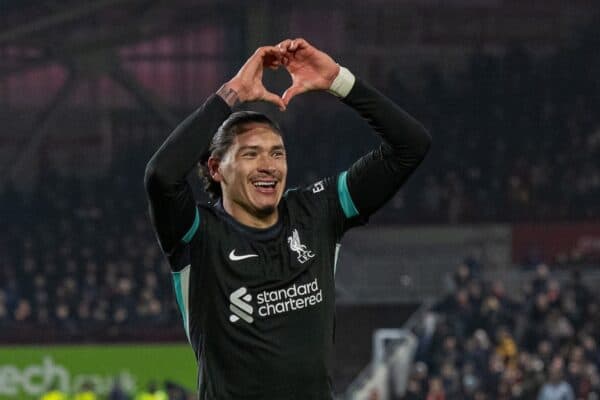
266, 163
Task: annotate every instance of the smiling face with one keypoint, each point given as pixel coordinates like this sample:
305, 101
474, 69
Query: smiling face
252, 174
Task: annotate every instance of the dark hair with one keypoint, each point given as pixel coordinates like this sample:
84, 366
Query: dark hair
223, 139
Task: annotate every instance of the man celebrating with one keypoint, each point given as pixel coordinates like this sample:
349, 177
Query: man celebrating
254, 271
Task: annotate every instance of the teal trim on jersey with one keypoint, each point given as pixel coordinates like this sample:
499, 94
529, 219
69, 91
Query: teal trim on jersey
181, 284
344, 196
290, 190
190, 233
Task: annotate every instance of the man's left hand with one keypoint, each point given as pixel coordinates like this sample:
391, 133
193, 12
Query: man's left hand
310, 68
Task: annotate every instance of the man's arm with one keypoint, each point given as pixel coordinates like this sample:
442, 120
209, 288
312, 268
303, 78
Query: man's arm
171, 203
172, 207
377, 176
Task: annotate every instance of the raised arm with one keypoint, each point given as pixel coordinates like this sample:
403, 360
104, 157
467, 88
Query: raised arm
377, 176
172, 207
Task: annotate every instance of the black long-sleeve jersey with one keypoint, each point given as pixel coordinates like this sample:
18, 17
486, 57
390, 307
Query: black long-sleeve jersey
258, 304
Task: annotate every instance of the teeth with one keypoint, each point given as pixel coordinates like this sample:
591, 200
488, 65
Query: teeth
264, 184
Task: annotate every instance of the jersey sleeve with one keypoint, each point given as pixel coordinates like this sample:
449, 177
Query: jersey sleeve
374, 178
349, 198
172, 206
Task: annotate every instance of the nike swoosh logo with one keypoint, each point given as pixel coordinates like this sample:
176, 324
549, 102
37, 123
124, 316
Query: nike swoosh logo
233, 257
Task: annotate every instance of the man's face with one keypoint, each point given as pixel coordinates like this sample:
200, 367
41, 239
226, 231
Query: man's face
253, 171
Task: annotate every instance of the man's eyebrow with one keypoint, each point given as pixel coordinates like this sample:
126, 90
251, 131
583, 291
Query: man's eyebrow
242, 148
257, 148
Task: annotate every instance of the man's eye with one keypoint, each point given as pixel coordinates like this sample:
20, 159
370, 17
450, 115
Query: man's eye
278, 154
249, 154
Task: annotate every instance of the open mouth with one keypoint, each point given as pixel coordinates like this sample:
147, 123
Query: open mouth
265, 186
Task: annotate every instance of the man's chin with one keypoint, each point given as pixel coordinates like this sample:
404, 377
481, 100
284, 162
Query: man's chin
265, 211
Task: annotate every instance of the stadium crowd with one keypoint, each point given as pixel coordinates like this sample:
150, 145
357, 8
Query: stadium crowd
488, 344
517, 138
81, 256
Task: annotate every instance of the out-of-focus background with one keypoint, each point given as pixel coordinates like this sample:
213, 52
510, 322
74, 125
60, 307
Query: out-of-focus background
477, 281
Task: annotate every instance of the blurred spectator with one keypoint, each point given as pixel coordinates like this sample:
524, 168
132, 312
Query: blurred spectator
54, 394
175, 391
152, 392
414, 390
117, 392
85, 393
436, 389
556, 388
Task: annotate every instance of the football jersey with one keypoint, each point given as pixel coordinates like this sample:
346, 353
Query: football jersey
258, 304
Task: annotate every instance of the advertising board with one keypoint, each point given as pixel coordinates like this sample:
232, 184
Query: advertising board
26, 372
558, 243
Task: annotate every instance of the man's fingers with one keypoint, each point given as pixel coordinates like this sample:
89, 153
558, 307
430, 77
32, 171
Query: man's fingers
283, 46
298, 44
273, 98
292, 45
290, 93
268, 54
268, 51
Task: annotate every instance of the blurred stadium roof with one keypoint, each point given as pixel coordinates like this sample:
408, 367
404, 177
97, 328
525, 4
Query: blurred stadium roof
44, 30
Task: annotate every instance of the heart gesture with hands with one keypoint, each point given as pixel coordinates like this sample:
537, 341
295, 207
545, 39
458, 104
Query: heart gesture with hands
309, 68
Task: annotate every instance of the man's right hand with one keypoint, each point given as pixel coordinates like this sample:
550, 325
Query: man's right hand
247, 84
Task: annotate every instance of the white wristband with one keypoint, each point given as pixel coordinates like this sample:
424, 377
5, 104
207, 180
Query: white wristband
343, 83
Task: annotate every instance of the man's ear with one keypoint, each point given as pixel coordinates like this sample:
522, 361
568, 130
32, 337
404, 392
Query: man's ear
213, 168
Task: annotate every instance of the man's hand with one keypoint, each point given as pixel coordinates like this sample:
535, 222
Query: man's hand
310, 68
247, 84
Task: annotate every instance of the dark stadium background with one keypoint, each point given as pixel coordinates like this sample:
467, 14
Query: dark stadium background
487, 260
